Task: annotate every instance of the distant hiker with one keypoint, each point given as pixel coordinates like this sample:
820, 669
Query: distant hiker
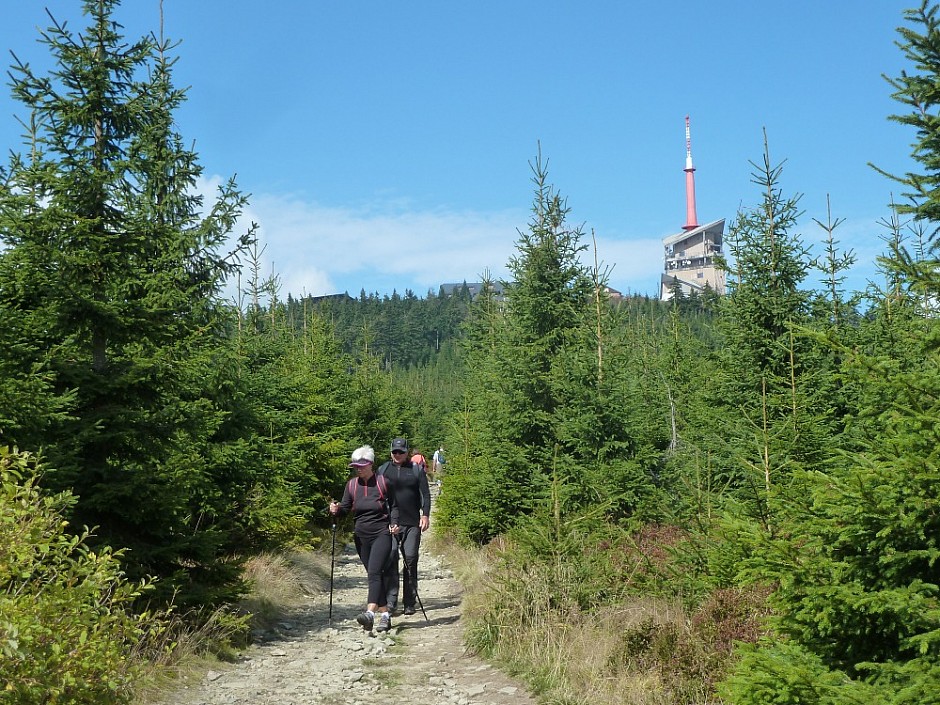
419, 460
437, 461
410, 484
372, 500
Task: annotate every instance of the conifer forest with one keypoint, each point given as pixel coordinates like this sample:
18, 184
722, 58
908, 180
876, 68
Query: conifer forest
765, 462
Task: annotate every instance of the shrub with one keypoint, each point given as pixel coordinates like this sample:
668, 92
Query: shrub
65, 624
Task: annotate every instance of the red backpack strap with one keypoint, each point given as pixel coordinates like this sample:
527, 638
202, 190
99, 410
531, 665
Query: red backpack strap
381, 486
351, 488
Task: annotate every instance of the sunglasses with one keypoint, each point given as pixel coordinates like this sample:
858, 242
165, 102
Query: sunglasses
398, 452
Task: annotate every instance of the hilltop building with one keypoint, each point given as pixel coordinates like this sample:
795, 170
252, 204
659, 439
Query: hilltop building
474, 288
690, 254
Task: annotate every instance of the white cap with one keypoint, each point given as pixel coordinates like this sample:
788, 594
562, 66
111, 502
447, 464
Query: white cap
362, 456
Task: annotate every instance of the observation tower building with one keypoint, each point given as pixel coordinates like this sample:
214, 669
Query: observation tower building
690, 254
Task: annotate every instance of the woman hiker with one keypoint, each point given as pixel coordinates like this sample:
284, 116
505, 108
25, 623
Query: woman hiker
372, 501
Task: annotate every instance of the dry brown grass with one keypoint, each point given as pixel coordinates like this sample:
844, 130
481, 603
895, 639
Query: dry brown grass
469, 564
600, 671
584, 661
641, 651
178, 647
280, 583
181, 649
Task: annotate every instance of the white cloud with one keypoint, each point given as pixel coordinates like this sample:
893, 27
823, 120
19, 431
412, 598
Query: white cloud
316, 249
320, 249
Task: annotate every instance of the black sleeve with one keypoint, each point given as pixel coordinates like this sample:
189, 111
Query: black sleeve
346, 503
392, 502
425, 492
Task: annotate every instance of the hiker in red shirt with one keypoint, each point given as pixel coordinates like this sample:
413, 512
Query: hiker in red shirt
372, 500
419, 460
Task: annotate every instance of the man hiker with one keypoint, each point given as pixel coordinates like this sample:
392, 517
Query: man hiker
437, 461
410, 485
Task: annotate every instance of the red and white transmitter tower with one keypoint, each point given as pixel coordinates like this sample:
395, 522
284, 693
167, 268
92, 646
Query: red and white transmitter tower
690, 254
691, 220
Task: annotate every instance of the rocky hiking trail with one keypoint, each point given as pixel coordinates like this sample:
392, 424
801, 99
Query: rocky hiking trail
308, 661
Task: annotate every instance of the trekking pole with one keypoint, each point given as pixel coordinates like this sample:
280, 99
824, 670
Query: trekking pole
414, 583
332, 562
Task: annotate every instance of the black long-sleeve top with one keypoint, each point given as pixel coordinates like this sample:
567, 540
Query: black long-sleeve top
374, 510
412, 493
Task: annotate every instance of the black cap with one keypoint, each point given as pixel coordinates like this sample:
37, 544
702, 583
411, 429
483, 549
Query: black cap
399, 444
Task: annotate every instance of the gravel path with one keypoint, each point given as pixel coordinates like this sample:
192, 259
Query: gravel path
309, 661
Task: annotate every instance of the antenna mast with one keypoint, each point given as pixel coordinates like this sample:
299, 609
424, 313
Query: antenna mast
691, 221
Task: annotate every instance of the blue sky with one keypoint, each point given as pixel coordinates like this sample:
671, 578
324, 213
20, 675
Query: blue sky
387, 145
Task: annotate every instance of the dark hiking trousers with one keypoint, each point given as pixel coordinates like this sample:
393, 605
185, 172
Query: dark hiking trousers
409, 540
373, 550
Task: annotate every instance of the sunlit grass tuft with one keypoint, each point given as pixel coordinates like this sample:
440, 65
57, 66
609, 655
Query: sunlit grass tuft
280, 583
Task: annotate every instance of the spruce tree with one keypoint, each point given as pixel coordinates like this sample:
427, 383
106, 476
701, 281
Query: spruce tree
547, 297
919, 91
117, 274
856, 561
291, 418
856, 566
772, 417
478, 503
541, 404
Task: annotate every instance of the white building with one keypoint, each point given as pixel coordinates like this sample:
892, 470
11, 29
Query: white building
690, 260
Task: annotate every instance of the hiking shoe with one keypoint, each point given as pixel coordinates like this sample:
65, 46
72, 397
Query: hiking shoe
385, 623
366, 620
409, 609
